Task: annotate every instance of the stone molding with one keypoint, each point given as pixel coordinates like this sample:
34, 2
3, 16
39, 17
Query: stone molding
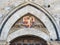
3, 32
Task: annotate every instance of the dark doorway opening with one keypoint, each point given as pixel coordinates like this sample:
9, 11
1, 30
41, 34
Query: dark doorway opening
28, 40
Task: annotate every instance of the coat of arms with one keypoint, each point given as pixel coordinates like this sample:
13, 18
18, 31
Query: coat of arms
28, 21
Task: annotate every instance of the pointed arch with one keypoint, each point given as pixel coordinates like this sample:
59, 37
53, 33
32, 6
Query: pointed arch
49, 19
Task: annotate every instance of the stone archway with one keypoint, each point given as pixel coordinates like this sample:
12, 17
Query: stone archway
28, 40
38, 12
28, 31
35, 12
22, 30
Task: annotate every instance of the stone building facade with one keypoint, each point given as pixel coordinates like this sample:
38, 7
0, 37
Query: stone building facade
26, 22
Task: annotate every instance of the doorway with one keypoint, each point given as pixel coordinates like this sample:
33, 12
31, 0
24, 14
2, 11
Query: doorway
28, 40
